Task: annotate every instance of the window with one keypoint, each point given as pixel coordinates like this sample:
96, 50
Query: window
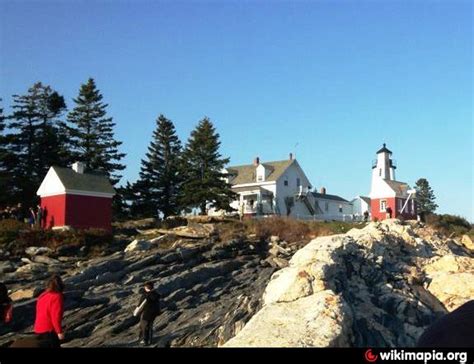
259, 178
298, 182
380, 172
285, 182
340, 209
326, 207
383, 205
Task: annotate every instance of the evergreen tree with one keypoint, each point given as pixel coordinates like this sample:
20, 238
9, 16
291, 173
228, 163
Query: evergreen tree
158, 188
123, 201
51, 142
91, 133
204, 184
34, 142
5, 163
425, 198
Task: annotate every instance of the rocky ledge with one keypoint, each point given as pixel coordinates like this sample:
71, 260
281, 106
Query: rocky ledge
209, 291
379, 286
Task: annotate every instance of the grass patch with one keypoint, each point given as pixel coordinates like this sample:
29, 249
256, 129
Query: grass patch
288, 229
450, 225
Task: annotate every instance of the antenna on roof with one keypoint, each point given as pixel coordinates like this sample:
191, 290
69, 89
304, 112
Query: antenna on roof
294, 154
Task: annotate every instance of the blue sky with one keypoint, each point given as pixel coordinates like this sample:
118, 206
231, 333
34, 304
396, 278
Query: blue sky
327, 80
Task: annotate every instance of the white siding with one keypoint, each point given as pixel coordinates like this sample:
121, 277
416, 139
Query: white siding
51, 185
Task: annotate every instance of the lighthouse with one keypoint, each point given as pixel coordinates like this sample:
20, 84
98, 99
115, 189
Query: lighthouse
389, 198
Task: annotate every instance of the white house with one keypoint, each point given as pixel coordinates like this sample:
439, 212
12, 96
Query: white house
282, 188
331, 207
279, 187
360, 204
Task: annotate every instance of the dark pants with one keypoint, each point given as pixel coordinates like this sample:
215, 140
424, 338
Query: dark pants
146, 330
46, 340
49, 340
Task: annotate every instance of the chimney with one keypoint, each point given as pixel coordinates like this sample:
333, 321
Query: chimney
323, 190
291, 156
78, 167
256, 161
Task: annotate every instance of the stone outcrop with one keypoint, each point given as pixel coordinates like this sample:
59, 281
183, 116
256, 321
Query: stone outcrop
209, 291
378, 286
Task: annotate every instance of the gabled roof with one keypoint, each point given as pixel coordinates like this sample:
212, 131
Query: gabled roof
384, 149
365, 199
247, 173
328, 197
61, 180
86, 182
399, 188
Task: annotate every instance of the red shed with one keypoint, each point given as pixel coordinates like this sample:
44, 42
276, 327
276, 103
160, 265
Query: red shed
72, 198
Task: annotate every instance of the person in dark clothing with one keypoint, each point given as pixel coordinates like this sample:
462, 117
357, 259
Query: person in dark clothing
32, 217
455, 329
389, 212
6, 307
148, 308
366, 215
39, 216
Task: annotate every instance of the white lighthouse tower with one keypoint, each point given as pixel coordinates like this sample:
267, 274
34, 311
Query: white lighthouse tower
383, 167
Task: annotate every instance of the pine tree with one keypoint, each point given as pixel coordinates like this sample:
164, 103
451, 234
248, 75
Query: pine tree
204, 184
51, 143
158, 188
5, 163
34, 142
91, 133
425, 198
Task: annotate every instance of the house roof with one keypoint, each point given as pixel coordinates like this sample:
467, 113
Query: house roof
247, 173
328, 197
365, 199
384, 149
399, 187
86, 182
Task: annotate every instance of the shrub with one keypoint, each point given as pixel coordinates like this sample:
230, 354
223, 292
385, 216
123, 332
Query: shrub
10, 230
292, 230
449, 224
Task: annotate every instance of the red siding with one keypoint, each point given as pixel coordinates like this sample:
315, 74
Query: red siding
55, 207
394, 204
77, 211
89, 212
375, 208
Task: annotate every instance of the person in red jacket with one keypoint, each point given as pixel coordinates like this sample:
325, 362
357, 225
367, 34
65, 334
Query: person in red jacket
49, 313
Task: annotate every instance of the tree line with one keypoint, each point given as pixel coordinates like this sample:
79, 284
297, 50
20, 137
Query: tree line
41, 132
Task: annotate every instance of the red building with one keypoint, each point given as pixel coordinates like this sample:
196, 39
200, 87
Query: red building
389, 198
72, 198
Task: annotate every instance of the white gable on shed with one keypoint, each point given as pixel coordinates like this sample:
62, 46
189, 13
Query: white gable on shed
51, 185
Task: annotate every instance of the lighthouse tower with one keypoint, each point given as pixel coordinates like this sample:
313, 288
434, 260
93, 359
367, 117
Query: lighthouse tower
383, 167
389, 198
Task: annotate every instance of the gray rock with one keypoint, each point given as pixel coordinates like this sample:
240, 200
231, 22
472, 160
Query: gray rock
36, 250
45, 260
6, 267
137, 245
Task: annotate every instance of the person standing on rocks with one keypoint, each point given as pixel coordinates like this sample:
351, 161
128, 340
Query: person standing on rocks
39, 216
366, 216
148, 308
49, 314
6, 307
32, 217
